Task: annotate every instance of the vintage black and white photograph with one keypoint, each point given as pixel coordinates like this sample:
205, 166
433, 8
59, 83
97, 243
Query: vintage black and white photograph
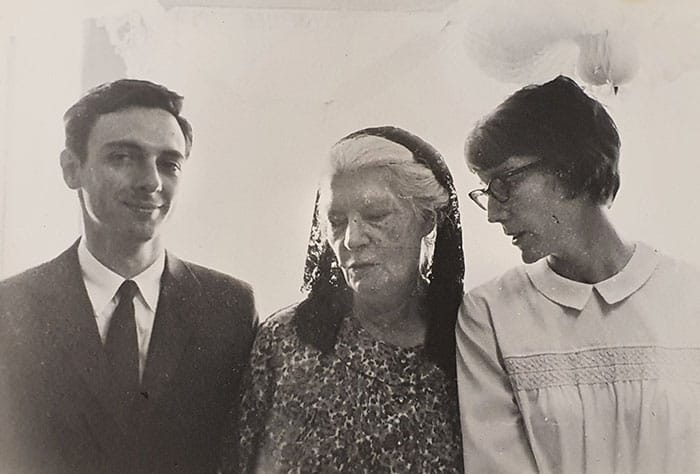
349, 236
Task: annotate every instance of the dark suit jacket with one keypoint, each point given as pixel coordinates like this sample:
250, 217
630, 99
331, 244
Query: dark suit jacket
54, 414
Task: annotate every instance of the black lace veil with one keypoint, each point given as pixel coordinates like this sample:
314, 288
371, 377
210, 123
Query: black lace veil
329, 299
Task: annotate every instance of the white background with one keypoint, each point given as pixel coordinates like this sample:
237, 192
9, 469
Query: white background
268, 91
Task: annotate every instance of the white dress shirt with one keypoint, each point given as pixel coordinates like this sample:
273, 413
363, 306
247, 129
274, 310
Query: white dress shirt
102, 285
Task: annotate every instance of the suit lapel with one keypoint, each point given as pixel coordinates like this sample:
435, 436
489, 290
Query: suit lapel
75, 328
180, 293
70, 319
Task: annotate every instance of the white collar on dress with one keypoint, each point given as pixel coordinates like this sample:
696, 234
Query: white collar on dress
574, 294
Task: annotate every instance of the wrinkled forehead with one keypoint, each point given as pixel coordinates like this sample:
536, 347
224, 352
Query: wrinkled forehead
357, 189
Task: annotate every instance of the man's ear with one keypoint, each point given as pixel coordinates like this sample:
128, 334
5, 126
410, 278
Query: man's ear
71, 165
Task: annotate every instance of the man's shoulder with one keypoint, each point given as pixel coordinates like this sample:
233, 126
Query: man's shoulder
211, 278
27, 300
222, 294
32, 280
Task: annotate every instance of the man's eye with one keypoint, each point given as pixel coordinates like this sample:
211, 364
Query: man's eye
120, 155
172, 166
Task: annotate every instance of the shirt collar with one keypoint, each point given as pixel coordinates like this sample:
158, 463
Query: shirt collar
574, 294
102, 283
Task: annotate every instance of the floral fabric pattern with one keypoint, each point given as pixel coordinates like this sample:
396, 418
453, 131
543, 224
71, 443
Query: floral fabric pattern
367, 406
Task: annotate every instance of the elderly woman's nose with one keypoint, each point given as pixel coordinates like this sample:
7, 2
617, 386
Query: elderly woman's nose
355, 234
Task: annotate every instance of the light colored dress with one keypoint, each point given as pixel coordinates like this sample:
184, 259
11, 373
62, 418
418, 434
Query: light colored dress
560, 376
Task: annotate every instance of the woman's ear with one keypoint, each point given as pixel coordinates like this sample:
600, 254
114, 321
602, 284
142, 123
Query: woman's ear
71, 166
560, 187
428, 222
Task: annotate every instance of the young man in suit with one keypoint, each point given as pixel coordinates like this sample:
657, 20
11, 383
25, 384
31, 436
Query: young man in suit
117, 356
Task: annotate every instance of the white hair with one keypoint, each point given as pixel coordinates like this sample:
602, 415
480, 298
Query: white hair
410, 179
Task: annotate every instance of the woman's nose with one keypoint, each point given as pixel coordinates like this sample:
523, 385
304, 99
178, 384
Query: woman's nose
495, 210
355, 234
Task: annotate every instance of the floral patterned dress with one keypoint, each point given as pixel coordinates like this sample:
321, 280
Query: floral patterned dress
368, 406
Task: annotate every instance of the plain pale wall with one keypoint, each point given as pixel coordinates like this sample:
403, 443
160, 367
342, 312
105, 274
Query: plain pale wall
268, 92
41, 75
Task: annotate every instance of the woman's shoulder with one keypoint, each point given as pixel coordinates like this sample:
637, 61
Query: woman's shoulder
669, 266
280, 323
278, 341
277, 336
511, 282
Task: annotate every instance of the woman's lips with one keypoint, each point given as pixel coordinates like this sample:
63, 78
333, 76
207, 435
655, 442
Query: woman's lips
360, 266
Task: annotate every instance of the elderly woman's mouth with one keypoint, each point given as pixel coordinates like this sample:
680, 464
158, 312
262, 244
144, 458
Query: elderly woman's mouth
359, 267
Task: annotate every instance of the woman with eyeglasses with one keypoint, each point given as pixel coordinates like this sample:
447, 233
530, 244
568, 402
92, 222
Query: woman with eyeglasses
587, 358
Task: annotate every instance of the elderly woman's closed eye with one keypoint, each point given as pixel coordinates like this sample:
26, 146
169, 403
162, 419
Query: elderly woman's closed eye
360, 376
377, 246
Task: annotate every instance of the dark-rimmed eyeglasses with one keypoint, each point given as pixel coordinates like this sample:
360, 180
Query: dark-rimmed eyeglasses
498, 188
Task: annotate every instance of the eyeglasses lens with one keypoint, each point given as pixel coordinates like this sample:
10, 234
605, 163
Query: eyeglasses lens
482, 200
499, 190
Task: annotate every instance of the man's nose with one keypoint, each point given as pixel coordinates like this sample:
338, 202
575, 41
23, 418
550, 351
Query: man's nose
148, 176
355, 234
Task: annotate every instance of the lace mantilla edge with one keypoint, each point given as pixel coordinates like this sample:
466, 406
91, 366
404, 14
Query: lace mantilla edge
607, 365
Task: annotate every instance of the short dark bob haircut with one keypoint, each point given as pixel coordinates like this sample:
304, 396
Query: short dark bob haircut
558, 123
80, 118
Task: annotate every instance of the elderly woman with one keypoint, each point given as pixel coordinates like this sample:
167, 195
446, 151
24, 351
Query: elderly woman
588, 358
360, 376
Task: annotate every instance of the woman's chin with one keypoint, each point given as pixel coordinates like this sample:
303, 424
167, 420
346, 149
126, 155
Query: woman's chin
529, 255
364, 288
380, 295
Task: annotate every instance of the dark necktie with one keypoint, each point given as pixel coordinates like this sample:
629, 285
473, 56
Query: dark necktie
122, 344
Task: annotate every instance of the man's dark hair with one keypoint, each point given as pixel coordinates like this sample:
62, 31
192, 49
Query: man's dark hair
114, 96
558, 123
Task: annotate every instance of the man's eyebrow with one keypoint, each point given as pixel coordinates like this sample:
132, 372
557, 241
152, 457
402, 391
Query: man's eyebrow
137, 146
121, 143
173, 154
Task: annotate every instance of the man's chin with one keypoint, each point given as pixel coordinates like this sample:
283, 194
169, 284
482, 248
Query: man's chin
141, 234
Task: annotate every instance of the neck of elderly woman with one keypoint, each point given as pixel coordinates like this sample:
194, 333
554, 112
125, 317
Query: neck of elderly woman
397, 320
